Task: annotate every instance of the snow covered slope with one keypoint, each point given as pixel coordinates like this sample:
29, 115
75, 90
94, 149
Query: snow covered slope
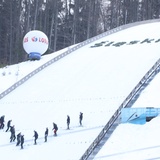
92, 80
140, 142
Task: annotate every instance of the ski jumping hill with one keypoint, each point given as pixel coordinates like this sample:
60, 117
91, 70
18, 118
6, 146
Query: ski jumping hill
93, 77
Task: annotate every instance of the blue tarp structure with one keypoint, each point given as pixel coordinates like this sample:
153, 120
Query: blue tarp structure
138, 115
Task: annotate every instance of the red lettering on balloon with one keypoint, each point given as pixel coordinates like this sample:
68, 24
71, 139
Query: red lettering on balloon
43, 40
25, 39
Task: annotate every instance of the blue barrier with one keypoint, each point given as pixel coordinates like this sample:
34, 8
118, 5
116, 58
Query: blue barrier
138, 115
34, 56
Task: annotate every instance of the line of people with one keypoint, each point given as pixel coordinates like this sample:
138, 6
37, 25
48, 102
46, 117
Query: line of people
20, 137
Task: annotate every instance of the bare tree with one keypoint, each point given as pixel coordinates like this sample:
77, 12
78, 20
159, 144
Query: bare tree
35, 15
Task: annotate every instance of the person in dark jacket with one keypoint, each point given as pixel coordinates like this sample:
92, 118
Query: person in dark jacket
35, 137
55, 129
18, 139
8, 125
22, 141
68, 121
2, 122
13, 137
80, 118
46, 135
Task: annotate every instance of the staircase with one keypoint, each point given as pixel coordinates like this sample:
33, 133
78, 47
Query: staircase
128, 102
115, 119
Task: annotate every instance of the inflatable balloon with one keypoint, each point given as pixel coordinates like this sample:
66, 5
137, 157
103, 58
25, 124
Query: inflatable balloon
35, 43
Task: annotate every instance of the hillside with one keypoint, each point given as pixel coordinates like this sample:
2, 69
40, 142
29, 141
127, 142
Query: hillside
93, 80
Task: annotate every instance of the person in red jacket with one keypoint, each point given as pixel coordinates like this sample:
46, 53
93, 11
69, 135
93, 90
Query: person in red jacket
55, 129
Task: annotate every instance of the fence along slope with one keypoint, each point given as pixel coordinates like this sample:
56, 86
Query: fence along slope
152, 72
20, 82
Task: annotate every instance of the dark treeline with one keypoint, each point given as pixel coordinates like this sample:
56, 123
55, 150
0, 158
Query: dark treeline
65, 22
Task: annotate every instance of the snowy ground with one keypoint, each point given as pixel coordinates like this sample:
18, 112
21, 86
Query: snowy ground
140, 142
94, 81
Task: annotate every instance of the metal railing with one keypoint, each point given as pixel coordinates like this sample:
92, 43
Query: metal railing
20, 82
114, 117
153, 71
125, 102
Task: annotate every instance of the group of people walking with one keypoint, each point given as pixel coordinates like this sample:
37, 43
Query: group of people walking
13, 137
20, 137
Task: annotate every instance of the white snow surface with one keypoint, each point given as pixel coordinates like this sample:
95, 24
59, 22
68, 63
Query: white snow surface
94, 81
